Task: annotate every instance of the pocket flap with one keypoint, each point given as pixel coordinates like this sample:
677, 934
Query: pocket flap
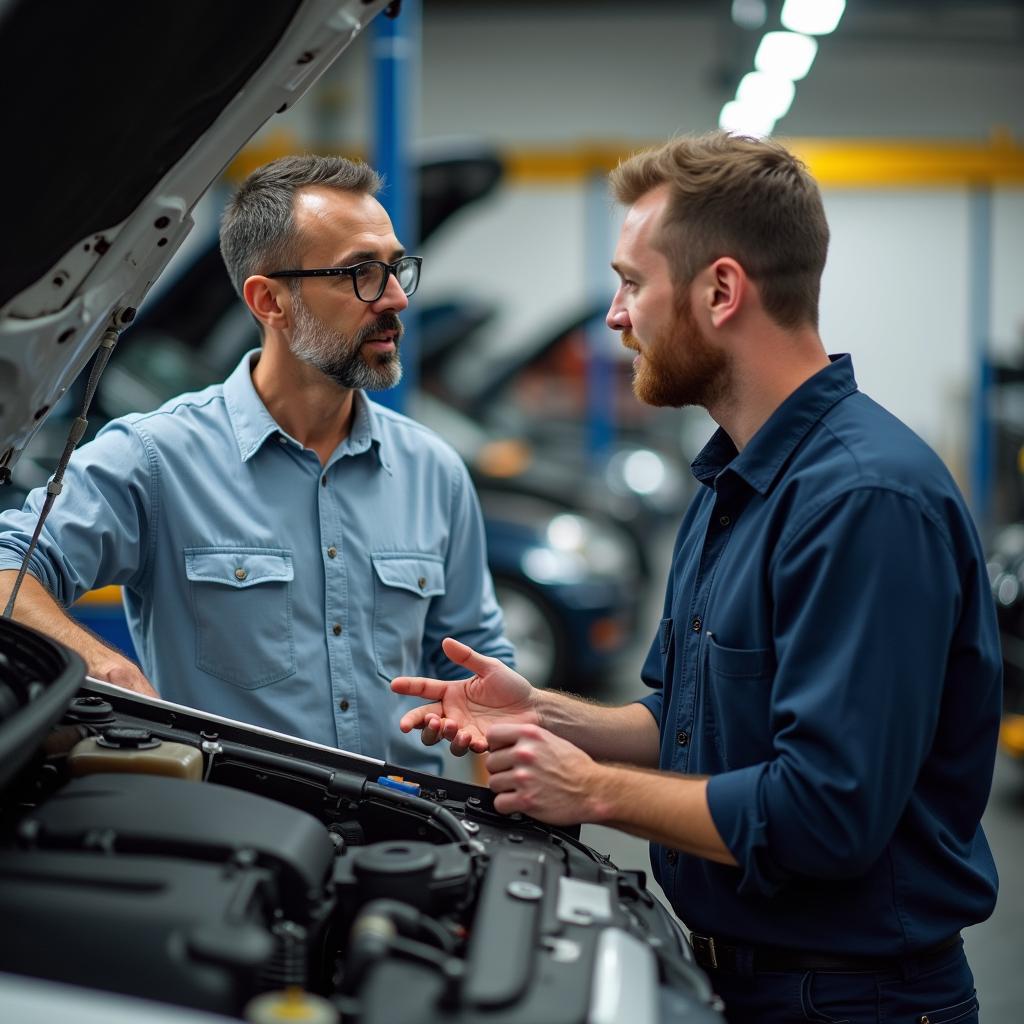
415, 573
238, 567
745, 663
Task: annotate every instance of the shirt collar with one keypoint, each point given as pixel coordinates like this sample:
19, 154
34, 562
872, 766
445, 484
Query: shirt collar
763, 458
252, 423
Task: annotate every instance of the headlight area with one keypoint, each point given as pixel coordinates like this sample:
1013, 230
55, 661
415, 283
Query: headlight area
579, 546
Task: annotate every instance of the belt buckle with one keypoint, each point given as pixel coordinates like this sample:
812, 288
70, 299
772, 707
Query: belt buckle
704, 949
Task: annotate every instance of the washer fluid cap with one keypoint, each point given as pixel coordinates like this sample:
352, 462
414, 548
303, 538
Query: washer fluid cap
90, 709
123, 738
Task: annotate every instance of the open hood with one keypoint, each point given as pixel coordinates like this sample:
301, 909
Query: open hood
121, 115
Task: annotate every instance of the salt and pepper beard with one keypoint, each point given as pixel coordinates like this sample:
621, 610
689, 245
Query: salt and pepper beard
340, 356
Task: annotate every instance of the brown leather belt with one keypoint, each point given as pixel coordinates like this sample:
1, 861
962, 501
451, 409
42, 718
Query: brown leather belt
720, 955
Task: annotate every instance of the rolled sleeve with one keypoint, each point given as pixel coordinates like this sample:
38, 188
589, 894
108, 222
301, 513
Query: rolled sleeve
96, 531
862, 658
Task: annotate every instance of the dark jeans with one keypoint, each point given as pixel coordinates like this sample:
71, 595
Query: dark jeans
937, 991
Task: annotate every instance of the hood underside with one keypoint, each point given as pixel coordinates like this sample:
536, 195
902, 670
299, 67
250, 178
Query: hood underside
121, 117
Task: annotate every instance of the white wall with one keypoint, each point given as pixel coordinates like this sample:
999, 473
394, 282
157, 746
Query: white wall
896, 288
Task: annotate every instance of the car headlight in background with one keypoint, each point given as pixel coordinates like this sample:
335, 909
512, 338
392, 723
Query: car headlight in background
647, 475
577, 547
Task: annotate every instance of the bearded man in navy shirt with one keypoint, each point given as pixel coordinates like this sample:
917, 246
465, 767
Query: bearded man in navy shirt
814, 757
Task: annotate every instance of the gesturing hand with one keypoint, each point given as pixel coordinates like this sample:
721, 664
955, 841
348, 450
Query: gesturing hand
540, 774
463, 710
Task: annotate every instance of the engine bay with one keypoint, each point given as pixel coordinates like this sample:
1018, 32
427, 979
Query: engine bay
154, 851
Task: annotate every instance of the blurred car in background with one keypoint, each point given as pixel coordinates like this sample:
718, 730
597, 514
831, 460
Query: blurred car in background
1006, 576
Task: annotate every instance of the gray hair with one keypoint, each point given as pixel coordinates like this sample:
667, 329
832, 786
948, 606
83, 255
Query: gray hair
257, 229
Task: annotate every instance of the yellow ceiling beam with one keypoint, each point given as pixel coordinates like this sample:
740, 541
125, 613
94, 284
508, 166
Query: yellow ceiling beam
835, 163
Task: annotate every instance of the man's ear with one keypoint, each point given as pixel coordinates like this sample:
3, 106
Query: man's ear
268, 300
728, 288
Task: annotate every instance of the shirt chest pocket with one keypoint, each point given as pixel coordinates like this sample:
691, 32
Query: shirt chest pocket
737, 698
403, 584
242, 603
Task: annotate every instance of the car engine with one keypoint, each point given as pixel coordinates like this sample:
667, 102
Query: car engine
155, 851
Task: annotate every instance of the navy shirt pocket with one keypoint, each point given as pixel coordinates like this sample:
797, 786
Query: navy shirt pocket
738, 683
403, 584
242, 604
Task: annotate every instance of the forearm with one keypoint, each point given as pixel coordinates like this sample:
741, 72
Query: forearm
628, 735
663, 808
36, 607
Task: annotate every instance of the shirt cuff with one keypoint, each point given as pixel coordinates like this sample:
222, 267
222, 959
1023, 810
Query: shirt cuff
654, 702
734, 801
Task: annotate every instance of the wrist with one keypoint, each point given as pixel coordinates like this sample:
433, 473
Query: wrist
603, 792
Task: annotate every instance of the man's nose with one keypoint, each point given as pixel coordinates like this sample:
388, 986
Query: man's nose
617, 318
394, 298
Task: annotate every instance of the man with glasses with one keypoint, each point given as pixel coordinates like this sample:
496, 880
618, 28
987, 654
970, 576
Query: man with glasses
285, 545
814, 757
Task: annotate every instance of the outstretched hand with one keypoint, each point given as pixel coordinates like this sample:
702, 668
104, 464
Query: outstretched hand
463, 710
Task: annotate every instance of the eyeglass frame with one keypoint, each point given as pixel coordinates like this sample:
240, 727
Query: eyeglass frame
389, 272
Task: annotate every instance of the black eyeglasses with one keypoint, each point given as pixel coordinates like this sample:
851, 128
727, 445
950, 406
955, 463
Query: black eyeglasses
369, 278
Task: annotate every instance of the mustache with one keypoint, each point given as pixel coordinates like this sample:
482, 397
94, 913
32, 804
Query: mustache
385, 323
628, 340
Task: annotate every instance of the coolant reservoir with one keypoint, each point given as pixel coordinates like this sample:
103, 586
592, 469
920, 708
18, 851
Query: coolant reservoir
135, 750
290, 1006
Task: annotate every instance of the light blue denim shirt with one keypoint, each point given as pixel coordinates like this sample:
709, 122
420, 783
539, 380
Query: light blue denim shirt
263, 586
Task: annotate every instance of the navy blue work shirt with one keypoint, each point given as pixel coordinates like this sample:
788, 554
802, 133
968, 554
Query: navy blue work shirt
829, 657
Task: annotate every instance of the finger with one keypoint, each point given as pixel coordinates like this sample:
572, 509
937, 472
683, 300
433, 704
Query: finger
418, 717
420, 686
464, 655
431, 733
509, 803
462, 742
502, 782
450, 729
500, 760
505, 734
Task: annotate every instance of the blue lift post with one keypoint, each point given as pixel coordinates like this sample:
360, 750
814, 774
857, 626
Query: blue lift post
397, 43
601, 425
980, 317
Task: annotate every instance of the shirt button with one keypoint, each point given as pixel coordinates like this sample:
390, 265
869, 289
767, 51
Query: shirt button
696, 624
724, 520
336, 629
682, 737
240, 573
343, 704
671, 856
422, 583
332, 551
282, 438
323, 480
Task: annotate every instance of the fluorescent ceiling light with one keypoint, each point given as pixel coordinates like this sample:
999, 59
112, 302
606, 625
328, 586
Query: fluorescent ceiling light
749, 13
786, 54
741, 119
812, 17
772, 93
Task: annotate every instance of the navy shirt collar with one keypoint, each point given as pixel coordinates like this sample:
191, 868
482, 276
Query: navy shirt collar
761, 461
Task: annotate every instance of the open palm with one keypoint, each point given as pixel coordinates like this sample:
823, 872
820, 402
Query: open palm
462, 711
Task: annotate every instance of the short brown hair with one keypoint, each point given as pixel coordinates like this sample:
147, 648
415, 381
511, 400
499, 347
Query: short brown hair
745, 198
257, 230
